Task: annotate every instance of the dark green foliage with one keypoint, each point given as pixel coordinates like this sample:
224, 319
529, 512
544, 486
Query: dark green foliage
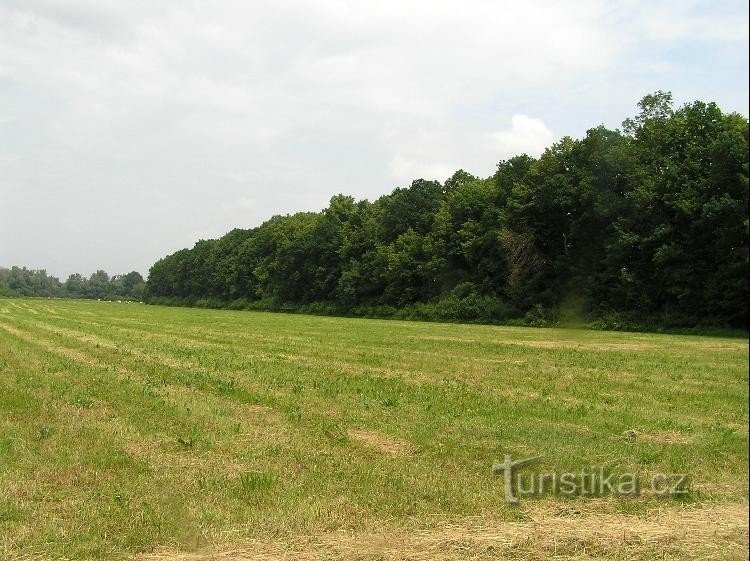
20, 281
643, 227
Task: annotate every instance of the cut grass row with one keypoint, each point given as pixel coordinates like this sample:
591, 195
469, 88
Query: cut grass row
127, 428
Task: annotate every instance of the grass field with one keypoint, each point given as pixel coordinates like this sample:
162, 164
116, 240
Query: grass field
132, 431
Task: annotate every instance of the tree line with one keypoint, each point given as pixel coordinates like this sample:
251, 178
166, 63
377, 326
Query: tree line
644, 226
20, 281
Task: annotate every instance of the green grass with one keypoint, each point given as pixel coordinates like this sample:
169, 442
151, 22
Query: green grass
127, 429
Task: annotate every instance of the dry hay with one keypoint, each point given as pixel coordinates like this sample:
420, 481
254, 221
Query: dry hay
386, 444
710, 531
70, 354
665, 437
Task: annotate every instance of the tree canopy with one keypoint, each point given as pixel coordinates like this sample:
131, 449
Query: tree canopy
20, 281
644, 226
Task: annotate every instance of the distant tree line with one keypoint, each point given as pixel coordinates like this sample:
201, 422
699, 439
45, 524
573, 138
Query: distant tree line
644, 226
20, 281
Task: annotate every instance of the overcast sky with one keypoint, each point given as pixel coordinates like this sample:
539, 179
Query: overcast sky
131, 129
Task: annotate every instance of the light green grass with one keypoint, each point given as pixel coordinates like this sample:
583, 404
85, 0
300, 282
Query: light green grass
127, 428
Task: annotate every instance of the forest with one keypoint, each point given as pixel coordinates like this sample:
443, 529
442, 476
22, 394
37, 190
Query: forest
644, 226
20, 281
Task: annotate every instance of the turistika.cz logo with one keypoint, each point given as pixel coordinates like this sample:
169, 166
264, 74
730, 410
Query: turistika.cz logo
593, 481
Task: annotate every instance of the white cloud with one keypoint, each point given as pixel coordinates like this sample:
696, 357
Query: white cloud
722, 21
525, 136
136, 120
404, 170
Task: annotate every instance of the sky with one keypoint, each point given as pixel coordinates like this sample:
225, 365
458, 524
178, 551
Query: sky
129, 130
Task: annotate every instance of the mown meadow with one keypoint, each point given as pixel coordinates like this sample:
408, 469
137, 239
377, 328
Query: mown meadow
131, 431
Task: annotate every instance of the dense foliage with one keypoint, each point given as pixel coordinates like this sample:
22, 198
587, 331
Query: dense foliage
648, 225
20, 281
